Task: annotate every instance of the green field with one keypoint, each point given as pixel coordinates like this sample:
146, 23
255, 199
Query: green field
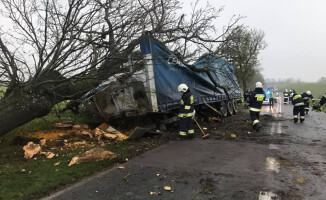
317, 89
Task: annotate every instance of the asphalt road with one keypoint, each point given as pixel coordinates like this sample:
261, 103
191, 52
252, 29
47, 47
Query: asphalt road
284, 161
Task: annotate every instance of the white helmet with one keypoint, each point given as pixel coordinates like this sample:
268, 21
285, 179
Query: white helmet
259, 85
182, 87
286, 90
308, 92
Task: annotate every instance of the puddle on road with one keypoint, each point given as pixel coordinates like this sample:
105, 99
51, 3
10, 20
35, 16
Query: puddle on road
272, 164
268, 196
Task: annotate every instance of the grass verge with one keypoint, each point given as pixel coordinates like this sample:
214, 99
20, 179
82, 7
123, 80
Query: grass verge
31, 179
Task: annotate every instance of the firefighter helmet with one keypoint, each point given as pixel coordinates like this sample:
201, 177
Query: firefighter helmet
308, 92
259, 85
182, 87
286, 90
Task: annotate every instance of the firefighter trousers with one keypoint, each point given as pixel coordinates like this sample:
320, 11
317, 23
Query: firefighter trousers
306, 106
286, 100
298, 110
186, 127
254, 117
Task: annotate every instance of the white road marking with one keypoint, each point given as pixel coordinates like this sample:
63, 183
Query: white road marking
267, 196
273, 146
272, 164
279, 128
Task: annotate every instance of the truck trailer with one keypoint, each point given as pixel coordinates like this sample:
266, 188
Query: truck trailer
153, 90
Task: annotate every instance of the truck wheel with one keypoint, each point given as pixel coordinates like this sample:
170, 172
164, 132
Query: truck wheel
223, 108
235, 106
230, 107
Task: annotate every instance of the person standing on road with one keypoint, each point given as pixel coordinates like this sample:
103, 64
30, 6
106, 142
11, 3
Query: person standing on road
306, 98
255, 102
298, 107
286, 96
290, 96
322, 102
186, 112
271, 99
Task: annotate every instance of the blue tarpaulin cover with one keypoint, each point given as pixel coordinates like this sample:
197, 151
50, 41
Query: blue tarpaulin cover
169, 72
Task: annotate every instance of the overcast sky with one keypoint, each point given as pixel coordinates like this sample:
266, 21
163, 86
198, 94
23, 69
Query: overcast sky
295, 32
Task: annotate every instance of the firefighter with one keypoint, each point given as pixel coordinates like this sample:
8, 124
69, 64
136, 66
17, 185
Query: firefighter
255, 102
306, 98
246, 98
286, 96
298, 107
186, 113
290, 96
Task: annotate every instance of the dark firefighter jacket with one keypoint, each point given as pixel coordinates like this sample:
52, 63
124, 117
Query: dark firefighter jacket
322, 100
186, 104
307, 97
297, 100
256, 99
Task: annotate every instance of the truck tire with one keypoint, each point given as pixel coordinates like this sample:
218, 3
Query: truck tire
235, 106
223, 108
230, 107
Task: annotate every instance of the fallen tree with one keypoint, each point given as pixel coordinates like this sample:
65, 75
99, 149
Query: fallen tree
57, 52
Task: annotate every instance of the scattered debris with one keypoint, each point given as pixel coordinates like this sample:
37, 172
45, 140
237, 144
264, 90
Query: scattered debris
157, 174
80, 126
125, 178
204, 128
121, 167
63, 124
42, 142
167, 188
87, 134
23, 170
103, 126
56, 164
93, 155
233, 135
31, 149
110, 136
82, 143
301, 180
50, 155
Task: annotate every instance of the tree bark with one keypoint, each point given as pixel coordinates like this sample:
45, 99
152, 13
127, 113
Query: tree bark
21, 107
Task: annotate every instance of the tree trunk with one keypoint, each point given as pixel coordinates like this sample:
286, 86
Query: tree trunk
20, 108
244, 84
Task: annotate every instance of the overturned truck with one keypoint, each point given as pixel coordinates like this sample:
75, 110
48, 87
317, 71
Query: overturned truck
151, 94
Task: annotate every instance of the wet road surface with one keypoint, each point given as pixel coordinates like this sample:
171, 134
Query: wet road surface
284, 161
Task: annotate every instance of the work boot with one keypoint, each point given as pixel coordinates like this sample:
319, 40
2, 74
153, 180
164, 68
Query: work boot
295, 120
306, 112
301, 120
257, 126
